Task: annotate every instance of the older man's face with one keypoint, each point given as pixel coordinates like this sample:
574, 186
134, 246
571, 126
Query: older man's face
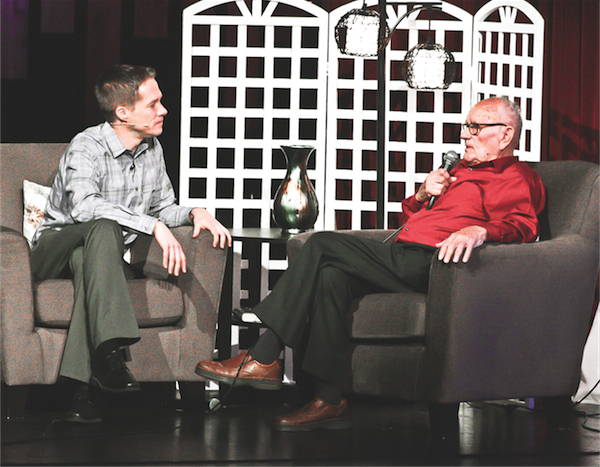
486, 145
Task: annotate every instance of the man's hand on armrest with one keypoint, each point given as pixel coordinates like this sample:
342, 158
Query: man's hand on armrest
173, 256
202, 219
465, 240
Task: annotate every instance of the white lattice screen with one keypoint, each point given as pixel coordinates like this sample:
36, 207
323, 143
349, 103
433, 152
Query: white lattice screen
253, 79
260, 74
508, 61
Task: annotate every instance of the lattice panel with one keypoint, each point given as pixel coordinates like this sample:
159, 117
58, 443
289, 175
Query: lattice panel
253, 79
420, 126
508, 59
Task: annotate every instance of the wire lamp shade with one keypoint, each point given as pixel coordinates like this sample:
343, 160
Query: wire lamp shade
425, 66
428, 66
357, 32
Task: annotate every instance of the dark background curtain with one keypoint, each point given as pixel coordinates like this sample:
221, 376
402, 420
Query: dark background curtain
53, 51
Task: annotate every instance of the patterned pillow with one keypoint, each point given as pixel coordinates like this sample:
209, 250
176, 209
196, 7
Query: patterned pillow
35, 198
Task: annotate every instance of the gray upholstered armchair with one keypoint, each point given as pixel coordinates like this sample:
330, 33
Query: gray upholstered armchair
510, 323
177, 316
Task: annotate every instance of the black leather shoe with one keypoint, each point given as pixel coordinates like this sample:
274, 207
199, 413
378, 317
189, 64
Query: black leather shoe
112, 375
83, 409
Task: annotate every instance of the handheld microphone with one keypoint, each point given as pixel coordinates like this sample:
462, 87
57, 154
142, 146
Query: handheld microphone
450, 159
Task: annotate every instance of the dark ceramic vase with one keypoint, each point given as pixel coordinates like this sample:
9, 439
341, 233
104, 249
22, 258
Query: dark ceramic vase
295, 207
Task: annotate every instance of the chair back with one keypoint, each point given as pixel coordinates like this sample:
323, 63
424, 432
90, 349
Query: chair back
36, 162
572, 205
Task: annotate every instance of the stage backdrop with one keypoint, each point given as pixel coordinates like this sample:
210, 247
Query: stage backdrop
53, 51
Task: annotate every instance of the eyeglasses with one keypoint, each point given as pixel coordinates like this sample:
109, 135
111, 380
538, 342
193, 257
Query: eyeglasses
475, 128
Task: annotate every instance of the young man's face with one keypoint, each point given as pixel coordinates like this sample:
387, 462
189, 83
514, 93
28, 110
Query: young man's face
148, 113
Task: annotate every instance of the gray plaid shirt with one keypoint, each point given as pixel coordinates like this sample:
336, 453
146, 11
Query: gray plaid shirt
99, 178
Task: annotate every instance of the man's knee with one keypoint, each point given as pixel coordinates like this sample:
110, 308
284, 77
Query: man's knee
105, 232
105, 228
105, 225
321, 240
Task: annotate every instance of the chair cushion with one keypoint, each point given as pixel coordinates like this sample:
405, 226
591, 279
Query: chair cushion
155, 302
389, 316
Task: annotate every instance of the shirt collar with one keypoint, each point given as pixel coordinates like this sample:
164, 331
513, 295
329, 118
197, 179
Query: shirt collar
499, 165
116, 147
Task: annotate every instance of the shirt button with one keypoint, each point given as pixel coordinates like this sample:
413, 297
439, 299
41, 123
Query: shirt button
406, 229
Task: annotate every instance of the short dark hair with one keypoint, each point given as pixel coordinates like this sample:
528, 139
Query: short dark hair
119, 85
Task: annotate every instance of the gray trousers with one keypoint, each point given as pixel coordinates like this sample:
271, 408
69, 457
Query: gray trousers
90, 253
309, 306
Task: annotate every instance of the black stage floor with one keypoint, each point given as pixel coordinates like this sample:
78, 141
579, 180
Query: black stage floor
145, 429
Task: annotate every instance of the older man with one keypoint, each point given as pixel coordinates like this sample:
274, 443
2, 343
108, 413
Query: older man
111, 187
489, 197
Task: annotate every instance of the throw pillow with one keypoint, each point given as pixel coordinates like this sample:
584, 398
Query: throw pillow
35, 198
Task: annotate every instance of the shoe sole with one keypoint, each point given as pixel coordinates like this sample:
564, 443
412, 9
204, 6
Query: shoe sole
269, 385
327, 425
96, 382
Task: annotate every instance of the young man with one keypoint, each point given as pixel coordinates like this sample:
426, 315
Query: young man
111, 187
489, 197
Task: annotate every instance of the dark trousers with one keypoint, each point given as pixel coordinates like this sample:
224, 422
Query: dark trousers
311, 301
90, 253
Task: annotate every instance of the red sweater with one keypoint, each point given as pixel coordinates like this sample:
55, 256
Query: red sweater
505, 196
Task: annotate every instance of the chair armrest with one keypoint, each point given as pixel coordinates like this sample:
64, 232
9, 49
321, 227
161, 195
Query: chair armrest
21, 349
201, 288
512, 322
295, 243
147, 257
205, 264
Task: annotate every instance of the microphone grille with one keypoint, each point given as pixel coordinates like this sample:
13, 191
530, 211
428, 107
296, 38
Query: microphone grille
450, 159
451, 156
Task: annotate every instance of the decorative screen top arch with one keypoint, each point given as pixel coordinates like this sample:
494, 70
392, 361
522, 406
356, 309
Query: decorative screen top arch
508, 60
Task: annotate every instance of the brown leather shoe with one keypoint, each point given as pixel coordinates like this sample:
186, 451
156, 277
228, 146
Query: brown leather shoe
253, 373
316, 414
